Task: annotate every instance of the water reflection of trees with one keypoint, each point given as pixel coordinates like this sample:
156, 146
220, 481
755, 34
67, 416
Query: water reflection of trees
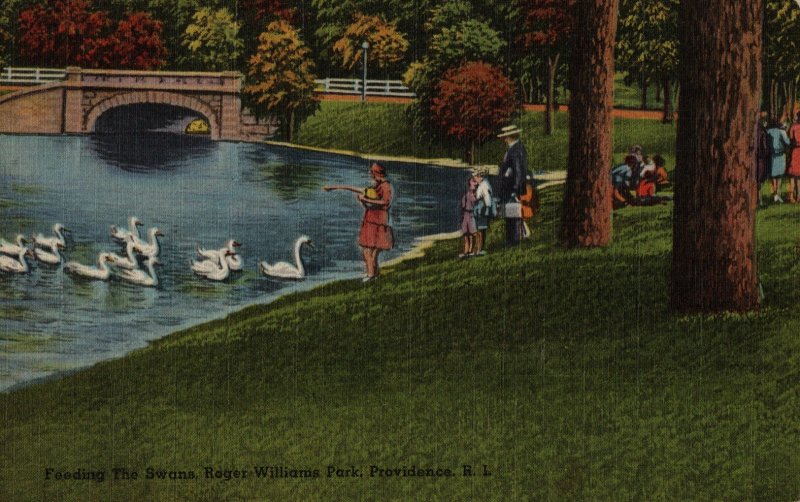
292, 181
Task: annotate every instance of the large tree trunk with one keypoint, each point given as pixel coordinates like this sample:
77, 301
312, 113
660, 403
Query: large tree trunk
713, 251
586, 217
552, 66
644, 86
667, 117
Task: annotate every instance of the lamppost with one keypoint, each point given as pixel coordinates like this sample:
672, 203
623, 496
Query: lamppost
365, 46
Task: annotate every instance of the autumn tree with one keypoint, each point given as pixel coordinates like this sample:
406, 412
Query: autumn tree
586, 217
473, 102
212, 41
547, 28
59, 33
713, 243
648, 45
387, 46
280, 79
135, 44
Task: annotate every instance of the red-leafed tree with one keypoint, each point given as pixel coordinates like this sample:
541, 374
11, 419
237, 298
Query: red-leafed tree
473, 101
547, 27
135, 44
69, 32
61, 33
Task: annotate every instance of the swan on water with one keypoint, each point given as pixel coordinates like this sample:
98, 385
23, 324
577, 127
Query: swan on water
100, 272
285, 270
122, 235
50, 242
215, 270
233, 259
52, 257
19, 266
13, 248
140, 277
149, 247
129, 261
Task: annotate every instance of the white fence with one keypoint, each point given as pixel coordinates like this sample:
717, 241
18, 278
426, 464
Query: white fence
30, 76
374, 87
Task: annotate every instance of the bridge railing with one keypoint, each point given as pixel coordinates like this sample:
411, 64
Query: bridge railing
30, 76
354, 85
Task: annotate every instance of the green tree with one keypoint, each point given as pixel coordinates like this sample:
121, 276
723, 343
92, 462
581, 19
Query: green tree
212, 41
647, 45
5, 42
782, 53
280, 79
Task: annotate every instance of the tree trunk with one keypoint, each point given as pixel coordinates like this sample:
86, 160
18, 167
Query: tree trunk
552, 65
658, 94
667, 83
290, 127
586, 217
644, 94
773, 99
713, 251
469, 154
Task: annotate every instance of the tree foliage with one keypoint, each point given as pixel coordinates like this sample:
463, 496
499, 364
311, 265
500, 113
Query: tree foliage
472, 103
280, 78
68, 32
547, 28
212, 41
647, 43
386, 45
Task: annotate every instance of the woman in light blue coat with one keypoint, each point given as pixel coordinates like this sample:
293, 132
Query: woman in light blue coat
778, 145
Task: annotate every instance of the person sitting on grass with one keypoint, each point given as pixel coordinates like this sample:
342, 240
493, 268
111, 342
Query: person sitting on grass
468, 226
621, 179
662, 178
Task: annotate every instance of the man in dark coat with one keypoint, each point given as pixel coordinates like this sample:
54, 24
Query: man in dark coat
513, 171
763, 154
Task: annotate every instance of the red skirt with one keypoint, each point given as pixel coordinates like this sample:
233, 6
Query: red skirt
375, 235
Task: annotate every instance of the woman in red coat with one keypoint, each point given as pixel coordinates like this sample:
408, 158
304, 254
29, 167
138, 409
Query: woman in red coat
793, 171
376, 234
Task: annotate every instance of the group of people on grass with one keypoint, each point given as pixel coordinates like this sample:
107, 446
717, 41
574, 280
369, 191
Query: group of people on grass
517, 199
774, 145
639, 179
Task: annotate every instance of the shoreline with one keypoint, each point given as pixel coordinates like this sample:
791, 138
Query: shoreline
417, 249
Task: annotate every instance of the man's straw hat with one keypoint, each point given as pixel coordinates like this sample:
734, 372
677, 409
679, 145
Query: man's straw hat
511, 130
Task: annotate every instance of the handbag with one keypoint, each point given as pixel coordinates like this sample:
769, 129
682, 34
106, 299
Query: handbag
512, 210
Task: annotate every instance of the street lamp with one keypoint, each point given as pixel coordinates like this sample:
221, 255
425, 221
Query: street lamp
365, 46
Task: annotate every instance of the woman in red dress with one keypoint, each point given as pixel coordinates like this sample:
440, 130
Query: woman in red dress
376, 234
793, 170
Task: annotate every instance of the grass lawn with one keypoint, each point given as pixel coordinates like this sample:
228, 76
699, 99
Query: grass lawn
382, 128
562, 372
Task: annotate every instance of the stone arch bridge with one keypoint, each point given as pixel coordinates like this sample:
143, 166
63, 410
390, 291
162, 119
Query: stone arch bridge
72, 106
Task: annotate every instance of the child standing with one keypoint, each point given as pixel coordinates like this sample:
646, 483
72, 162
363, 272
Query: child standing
468, 226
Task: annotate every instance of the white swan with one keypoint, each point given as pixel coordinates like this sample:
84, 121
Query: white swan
285, 270
100, 272
122, 235
215, 270
140, 277
50, 242
52, 257
129, 261
13, 248
150, 247
233, 259
20, 266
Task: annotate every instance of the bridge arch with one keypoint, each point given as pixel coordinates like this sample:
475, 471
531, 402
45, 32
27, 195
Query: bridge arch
153, 97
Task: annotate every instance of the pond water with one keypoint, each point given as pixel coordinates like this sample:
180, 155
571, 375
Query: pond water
198, 193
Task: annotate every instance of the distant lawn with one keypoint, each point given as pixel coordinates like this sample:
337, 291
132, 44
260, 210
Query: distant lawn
562, 372
382, 128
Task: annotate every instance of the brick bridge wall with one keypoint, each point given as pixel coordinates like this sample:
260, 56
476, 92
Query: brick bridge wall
74, 105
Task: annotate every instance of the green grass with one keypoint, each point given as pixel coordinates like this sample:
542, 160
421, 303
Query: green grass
381, 128
562, 371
